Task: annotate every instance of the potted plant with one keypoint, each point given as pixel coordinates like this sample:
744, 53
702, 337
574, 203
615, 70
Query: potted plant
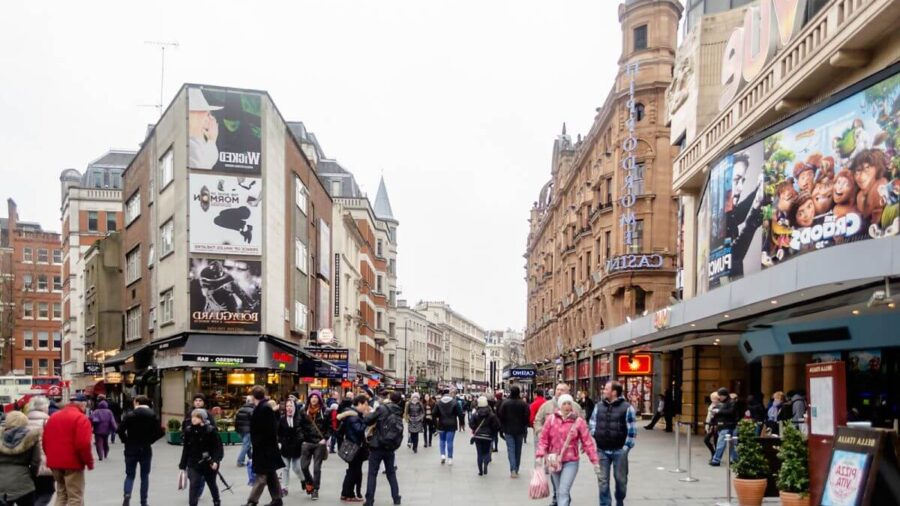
173, 431
751, 469
793, 478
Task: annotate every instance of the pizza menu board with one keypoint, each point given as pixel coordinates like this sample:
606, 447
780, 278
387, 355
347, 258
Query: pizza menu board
853, 469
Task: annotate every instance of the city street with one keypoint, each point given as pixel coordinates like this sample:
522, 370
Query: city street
423, 481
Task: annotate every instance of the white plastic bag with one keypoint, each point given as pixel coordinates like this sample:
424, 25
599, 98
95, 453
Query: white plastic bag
182, 480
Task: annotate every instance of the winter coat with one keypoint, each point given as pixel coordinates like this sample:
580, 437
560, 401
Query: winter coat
264, 439
290, 437
36, 421
372, 419
587, 406
315, 429
554, 433
103, 419
415, 416
446, 414
353, 426
67, 440
546, 411
726, 417
513, 416
484, 423
242, 419
534, 408
140, 429
20, 458
199, 442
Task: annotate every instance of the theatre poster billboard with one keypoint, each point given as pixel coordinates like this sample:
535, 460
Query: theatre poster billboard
224, 130
226, 295
226, 215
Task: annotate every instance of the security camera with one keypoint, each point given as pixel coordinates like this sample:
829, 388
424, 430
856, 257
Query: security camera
879, 298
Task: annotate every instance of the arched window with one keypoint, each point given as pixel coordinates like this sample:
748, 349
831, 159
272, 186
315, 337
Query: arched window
639, 111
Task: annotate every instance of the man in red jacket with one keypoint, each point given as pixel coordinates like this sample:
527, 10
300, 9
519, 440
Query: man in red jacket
536, 404
67, 445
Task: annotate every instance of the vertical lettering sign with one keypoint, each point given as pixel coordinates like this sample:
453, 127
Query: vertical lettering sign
629, 146
337, 286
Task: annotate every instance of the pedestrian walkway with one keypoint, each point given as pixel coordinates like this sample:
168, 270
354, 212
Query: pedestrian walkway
424, 481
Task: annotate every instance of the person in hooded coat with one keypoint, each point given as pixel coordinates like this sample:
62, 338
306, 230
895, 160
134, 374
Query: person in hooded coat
315, 426
201, 454
20, 453
446, 415
43, 482
104, 422
290, 438
414, 414
485, 426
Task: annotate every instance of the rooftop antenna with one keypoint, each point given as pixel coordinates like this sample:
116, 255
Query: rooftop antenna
162, 73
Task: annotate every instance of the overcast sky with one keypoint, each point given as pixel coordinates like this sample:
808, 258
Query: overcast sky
456, 103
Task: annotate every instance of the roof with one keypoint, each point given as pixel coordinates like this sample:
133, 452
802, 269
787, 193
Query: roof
113, 159
383, 203
302, 134
330, 171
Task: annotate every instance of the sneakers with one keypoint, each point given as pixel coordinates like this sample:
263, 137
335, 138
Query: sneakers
315, 495
351, 499
443, 459
309, 488
514, 475
126, 500
449, 462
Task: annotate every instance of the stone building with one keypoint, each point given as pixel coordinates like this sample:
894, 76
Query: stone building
464, 357
602, 243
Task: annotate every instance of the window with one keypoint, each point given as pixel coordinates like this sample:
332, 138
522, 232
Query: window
57, 256
379, 317
640, 37
378, 282
29, 366
133, 265
43, 256
379, 248
167, 307
300, 194
57, 340
43, 366
638, 111
43, 340
43, 311
111, 224
28, 310
166, 239
391, 360
637, 238
92, 221
57, 368
300, 314
638, 179
42, 285
609, 183
392, 266
151, 319
166, 170
391, 328
133, 207
301, 256
27, 255
57, 310
335, 188
608, 239
57, 283
27, 282
133, 324
28, 340
151, 256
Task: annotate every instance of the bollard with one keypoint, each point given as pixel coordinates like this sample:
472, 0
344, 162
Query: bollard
678, 468
728, 443
689, 478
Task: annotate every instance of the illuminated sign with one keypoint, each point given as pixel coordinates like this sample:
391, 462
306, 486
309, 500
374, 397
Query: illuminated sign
768, 26
280, 356
210, 359
636, 262
522, 373
113, 377
93, 368
629, 145
634, 365
661, 318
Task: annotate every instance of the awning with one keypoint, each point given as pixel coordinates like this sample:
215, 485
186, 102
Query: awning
123, 356
221, 349
305, 357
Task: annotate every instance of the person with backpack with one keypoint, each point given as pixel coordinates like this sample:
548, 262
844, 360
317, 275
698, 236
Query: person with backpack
242, 427
354, 430
484, 425
513, 416
387, 436
414, 414
315, 427
446, 414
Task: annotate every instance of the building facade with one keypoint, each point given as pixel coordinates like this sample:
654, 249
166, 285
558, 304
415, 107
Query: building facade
504, 349
602, 243
32, 303
91, 208
104, 329
464, 355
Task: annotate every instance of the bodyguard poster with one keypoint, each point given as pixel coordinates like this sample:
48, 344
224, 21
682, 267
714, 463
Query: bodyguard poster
224, 130
226, 295
226, 215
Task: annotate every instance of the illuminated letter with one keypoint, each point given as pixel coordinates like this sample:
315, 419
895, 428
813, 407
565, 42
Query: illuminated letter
759, 40
731, 67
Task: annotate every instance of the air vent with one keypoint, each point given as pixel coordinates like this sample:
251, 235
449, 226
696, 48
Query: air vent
820, 336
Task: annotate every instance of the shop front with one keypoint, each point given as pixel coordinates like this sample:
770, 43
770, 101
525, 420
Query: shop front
635, 372
601, 374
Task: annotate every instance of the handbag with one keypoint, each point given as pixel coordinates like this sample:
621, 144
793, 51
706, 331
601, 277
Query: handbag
538, 488
348, 450
472, 440
554, 460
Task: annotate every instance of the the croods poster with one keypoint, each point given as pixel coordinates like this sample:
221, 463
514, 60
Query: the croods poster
834, 177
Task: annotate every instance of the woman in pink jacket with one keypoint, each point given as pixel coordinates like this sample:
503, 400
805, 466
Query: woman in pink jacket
565, 425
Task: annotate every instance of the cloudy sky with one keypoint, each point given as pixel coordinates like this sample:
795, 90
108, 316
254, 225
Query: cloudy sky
456, 103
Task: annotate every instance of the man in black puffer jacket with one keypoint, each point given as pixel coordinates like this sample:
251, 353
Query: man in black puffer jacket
242, 427
514, 414
138, 431
382, 448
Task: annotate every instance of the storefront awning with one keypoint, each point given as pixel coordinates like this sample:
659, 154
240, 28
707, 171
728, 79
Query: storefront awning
123, 356
219, 349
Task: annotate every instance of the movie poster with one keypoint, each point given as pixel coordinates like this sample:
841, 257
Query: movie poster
834, 177
226, 215
734, 198
703, 245
224, 130
226, 295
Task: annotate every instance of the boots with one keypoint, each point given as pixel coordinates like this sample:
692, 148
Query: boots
126, 500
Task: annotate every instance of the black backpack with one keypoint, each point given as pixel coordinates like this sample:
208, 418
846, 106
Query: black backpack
390, 430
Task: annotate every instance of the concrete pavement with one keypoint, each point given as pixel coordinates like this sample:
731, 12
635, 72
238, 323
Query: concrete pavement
424, 481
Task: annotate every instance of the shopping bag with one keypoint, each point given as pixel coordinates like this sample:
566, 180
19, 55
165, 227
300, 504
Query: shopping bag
538, 488
182, 480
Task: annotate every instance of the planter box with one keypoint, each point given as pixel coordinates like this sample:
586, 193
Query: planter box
173, 438
235, 438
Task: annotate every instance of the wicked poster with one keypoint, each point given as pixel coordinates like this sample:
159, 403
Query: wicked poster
224, 130
226, 215
226, 295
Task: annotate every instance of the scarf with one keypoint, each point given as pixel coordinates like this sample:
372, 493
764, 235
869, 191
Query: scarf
313, 412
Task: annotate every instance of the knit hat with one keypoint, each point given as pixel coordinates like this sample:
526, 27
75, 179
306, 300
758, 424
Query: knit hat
564, 398
201, 414
482, 402
16, 419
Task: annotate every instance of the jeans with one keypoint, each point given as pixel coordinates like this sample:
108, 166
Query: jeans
69, 487
514, 451
720, 446
446, 442
197, 479
101, 441
619, 460
376, 457
483, 450
315, 453
414, 441
710, 441
290, 463
133, 457
562, 482
353, 478
245, 448
335, 443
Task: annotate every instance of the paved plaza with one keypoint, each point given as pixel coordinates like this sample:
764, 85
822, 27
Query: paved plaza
424, 481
